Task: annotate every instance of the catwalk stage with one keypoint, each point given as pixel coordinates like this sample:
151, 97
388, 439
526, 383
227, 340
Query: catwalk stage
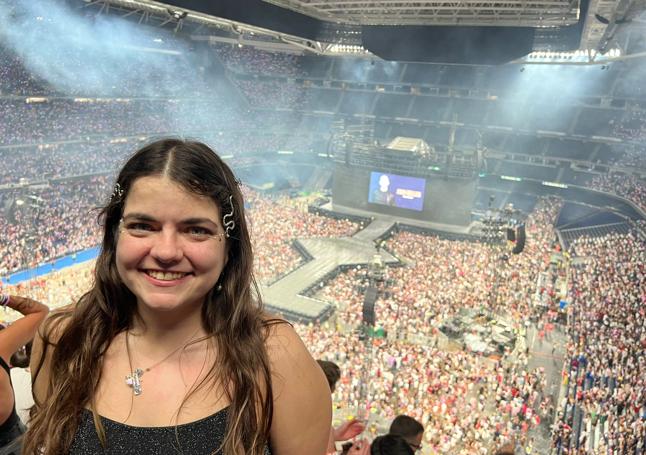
285, 296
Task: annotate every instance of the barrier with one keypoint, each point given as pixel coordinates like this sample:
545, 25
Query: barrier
53, 266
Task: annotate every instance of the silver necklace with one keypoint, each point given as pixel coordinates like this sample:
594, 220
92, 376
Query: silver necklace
133, 380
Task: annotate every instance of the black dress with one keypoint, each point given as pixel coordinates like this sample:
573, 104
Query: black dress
202, 437
12, 427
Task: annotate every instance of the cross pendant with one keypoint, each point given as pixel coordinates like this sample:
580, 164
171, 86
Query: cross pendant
134, 380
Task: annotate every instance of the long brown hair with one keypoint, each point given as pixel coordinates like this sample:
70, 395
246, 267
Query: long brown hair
232, 316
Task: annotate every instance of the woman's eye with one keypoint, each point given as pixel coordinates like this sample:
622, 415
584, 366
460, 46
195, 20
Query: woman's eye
199, 232
139, 227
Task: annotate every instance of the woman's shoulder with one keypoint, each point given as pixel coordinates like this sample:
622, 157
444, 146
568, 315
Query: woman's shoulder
280, 334
44, 344
302, 407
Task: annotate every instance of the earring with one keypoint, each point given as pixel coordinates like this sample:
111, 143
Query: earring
218, 287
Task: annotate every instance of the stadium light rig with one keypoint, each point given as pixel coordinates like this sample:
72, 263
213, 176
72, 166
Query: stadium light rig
580, 56
346, 49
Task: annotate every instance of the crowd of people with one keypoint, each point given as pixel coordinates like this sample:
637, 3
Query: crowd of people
629, 186
58, 220
15, 79
467, 403
44, 162
70, 119
124, 73
55, 220
604, 410
632, 126
250, 60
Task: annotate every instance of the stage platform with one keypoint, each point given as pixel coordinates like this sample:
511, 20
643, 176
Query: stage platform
285, 295
381, 219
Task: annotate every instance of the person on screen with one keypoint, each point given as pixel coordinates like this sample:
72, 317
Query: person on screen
382, 195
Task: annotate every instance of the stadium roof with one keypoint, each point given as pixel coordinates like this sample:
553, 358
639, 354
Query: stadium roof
493, 31
515, 13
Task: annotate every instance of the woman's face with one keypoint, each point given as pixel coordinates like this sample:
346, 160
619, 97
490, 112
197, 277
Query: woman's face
171, 246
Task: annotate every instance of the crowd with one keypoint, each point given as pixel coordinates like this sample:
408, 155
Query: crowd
632, 156
56, 219
467, 403
248, 59
43, 162
474, 274
628, 186
275, 224
604, 410
632, 126
15, 79
68, 119
154, 67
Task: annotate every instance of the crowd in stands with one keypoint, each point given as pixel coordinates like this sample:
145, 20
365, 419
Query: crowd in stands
632, 126
53, 221
633, 156
628, 186
64, 222
248, 59
15, 79
271, 94
65, 119
604, 410
158, 69
43, 162
467, 403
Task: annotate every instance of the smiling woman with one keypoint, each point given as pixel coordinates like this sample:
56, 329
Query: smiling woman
171, 349
170, 251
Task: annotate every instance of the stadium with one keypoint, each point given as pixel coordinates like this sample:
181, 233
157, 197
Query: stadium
446, 199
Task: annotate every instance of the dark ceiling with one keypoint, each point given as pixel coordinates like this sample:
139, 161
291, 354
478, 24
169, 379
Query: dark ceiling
441, 44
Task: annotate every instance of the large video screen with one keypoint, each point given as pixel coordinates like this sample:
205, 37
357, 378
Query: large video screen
396, 191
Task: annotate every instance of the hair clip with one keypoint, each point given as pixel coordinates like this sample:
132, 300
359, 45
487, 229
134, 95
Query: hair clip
227, 220
117, 192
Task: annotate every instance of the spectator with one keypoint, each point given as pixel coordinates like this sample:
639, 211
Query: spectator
348, 429
12, 340
408, 428
391, 444
173, 284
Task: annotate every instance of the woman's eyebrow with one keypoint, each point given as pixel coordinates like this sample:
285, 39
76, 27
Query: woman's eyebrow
198, 220
186, 221
139, 216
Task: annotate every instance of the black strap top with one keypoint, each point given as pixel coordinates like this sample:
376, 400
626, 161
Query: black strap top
7, 428
202, 437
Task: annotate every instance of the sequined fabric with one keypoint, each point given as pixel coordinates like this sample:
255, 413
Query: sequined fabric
202, 437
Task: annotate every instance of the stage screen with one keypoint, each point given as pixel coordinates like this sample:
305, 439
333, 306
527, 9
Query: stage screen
396, 191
